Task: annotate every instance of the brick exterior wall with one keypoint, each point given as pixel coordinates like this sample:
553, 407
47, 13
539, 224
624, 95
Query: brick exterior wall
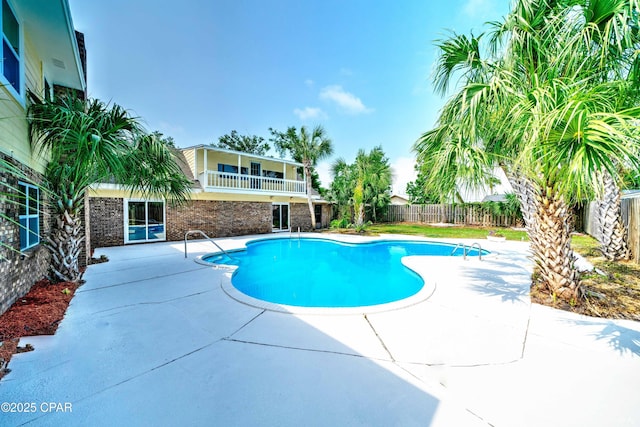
300, 217
106, 222
19, 271
219, 218
215, 218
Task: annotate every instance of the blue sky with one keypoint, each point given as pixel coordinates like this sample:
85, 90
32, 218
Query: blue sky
198, 69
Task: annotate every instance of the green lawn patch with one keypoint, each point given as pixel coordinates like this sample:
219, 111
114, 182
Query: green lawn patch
456, 232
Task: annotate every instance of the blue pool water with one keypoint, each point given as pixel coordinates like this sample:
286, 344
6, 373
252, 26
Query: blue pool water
311, 272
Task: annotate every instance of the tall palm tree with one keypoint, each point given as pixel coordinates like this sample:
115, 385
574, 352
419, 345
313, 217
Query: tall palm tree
538, 106
307, 148
617, 41
90, 142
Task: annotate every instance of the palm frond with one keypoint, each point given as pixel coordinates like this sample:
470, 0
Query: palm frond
458, 53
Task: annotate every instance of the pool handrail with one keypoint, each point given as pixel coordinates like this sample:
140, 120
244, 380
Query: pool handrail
207, 237
466, 250
479, 249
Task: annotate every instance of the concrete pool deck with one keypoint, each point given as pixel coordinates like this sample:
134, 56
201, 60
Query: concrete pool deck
152, 339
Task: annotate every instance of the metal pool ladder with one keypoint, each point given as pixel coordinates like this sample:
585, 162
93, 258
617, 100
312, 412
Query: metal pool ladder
291, 233
466, 249
207, 237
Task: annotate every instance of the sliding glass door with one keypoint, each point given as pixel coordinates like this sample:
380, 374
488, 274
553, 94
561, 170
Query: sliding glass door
144, 221
280, 216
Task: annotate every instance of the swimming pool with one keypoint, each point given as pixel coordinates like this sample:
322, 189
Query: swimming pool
312, 272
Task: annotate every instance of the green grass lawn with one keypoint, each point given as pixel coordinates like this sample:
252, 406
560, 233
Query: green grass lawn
459, 232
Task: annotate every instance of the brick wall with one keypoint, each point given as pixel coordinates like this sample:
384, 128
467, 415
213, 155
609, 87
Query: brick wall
19, 271
300, 216
106, 222
215, 218
219, 218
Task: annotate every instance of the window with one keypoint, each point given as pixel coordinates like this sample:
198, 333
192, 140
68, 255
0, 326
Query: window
232, 169
145, 221
29, 215
272, 174
10, 63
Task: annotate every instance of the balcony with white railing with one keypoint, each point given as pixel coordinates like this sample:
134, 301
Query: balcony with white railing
242, 183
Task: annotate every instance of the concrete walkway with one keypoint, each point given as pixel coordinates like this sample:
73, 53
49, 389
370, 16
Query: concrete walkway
153, 339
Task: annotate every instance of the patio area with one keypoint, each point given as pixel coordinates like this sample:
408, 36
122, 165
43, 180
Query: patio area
152, 338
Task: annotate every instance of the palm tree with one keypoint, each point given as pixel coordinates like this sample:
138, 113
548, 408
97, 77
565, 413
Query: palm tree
538, 106
90, 142
618, 45
307, 148
611, 231
341, 190
374, 175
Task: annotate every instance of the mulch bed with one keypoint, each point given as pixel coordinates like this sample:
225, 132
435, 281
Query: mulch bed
37, 313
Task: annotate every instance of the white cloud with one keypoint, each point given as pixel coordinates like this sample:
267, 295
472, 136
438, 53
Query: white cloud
310, 113
346, 102
403, 173
309, 82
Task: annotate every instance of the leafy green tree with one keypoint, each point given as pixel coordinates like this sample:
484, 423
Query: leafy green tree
166, 140
90, 142
251, 144
417, 190
307, 148
548, 101
631, 179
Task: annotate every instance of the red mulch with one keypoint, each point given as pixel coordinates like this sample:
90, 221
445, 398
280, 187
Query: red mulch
37, 313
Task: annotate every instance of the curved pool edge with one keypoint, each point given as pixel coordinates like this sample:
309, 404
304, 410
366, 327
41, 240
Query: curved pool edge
421, 296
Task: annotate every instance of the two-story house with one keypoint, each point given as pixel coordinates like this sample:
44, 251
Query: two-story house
233, 193
41, 53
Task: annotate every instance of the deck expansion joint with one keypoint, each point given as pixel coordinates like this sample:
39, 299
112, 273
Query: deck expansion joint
380, 339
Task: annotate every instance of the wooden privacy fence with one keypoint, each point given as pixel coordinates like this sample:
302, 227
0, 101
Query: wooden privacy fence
451, 214
630, 216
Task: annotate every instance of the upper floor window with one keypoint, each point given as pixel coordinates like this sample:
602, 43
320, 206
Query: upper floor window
29, 215
10, 61
272, 174
231, 169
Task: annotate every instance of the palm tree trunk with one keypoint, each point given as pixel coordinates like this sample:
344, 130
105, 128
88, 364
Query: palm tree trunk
546, 218
551, 246
612, 233
526, 193
65, 245
358, 203
307, 176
